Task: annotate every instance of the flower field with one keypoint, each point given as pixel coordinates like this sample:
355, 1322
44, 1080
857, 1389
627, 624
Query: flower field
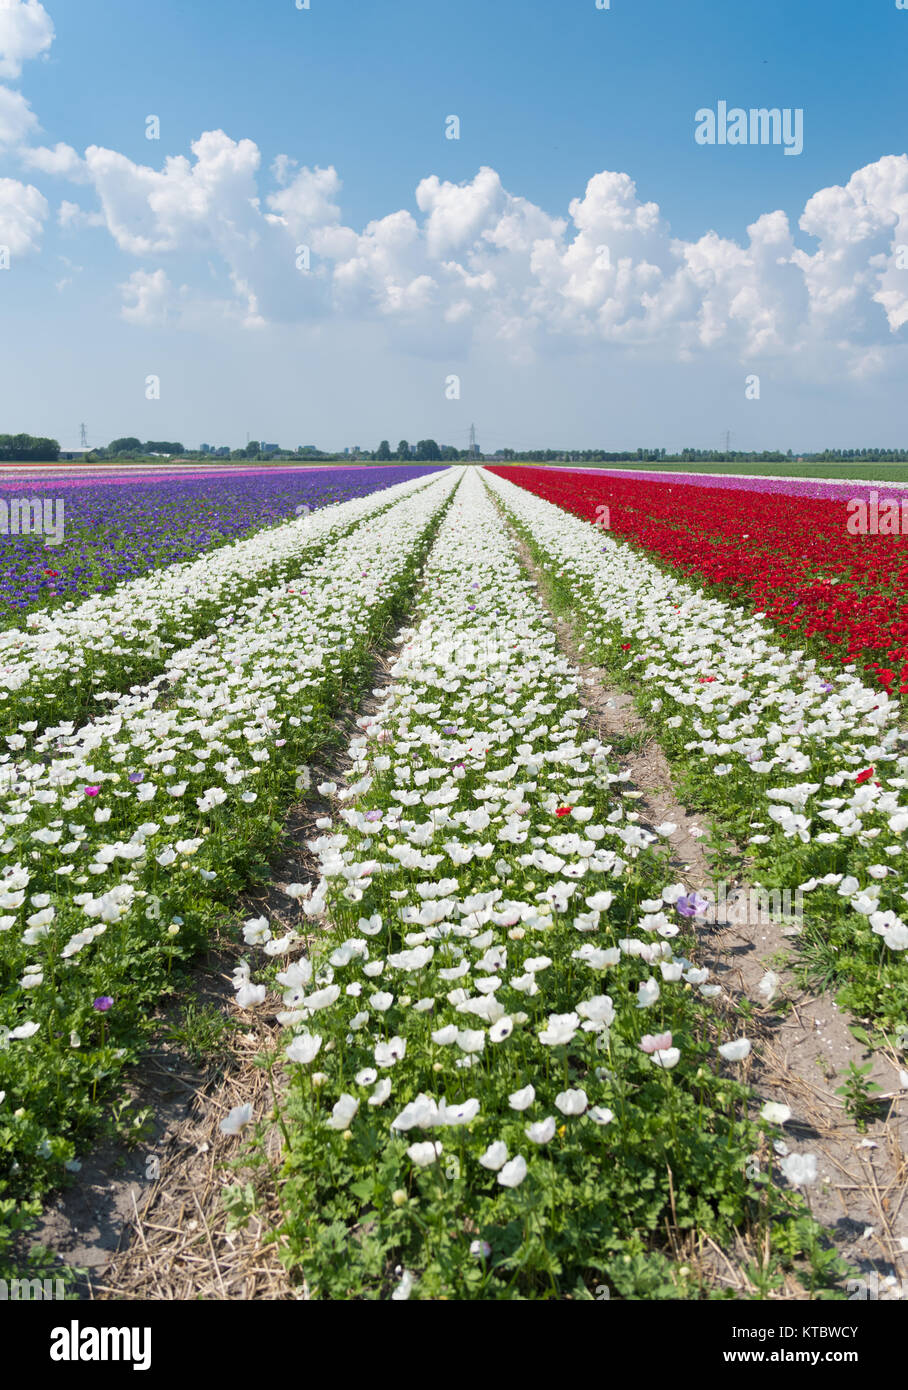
501, 1048
61, 663
787, 555
802, 763
117, 530
499, 1068
122, 833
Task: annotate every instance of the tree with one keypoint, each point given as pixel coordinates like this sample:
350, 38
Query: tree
403, 450
383, 452
156, 446
427, 451
128, 445
28, 448
252, 448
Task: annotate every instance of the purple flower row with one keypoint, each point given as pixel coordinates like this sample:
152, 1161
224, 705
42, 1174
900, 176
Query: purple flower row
113, 533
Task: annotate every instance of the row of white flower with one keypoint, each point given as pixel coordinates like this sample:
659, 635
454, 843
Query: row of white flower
202, 748
146, 614
489, 898
770, 720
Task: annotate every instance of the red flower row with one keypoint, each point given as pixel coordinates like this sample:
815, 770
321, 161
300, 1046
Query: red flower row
789, 557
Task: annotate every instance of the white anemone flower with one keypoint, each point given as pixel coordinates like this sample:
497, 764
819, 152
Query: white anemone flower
239, 1117
388, 1054
461, 1114
513, 1173
542, 1132
647, 994
344, 1111
421, 1113
560, 1029
425, 1153
572, 1102
249, 996
501, 1030
404, 1288
800, 1170
601, 1115
381, 1093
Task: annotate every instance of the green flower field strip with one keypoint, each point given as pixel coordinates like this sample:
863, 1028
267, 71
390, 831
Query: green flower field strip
61, 661
808, 767
120, 835
502, 1066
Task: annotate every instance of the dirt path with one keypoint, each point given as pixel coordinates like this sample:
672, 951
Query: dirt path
803, 1044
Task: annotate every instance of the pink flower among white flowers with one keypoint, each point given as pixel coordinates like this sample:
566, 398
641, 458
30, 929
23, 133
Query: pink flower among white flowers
656, 1042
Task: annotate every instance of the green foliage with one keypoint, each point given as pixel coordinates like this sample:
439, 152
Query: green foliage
857, 1094
26, 448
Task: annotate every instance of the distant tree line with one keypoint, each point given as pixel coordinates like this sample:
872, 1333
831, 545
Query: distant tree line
426, 451
129, 446
27, 448
705, 456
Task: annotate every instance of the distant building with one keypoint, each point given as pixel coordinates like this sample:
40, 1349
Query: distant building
270, 448
77, 455
205, 449
223, 452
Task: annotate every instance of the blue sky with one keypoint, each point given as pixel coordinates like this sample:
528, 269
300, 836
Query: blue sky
497, 283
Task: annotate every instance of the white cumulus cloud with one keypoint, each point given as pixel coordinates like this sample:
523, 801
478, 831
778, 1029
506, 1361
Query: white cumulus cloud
480, 261
23, 212
61, 162
147, 297
17, 120
26, 31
